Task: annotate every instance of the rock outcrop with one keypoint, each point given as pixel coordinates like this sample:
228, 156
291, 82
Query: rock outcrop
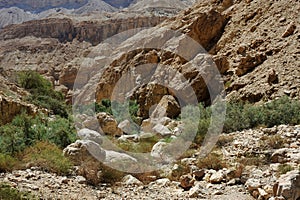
10, 107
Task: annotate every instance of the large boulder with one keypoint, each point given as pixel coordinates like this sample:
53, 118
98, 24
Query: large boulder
87, 134
83, 150
108, 124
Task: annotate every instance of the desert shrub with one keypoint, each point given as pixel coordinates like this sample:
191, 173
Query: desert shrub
26, 130
236, 118
7, 163
42, 93
253, 159
11, 139
212, 161
273, 141
8, 193
224, 139
284, 168
281, 111
103, 106
48, 157
242, 115
143, 146
61, 132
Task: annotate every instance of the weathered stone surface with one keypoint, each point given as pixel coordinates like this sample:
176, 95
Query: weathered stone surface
125, 126
167, 107
130, 180
249, 62
83, 150
9, 108
289, 30
87, 134
217, 177
108, 124
161, 130
289, 186
116, 157
186, 181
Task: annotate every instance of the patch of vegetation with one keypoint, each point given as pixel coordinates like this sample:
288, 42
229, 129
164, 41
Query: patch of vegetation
243, 115
8, 193
284, 168
224, 139
42, 93
273, 141
48, 157
26, 130
250, 160
143, 146
212, 161
31, 132
7, 163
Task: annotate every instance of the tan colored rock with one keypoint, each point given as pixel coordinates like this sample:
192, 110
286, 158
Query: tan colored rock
186, 181
10, 107
249, 62
108, 124
272, 76
217, 177
68, 76
167, 106
289, 30
130, 180
84, 150
221, 63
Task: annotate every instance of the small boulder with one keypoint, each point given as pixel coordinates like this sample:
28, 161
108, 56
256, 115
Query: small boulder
186, 181
253, 184
217, 177
162, 130
83, 150
131, 180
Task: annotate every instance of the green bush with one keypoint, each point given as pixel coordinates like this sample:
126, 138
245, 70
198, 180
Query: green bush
26, 130
243, 115
48, 157
42, 93
9, 193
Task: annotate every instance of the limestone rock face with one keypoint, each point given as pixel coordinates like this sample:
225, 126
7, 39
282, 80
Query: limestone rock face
248, 63
66, 29
9, 108
156, 85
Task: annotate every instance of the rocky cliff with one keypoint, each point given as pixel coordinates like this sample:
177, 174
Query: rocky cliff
66, 30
